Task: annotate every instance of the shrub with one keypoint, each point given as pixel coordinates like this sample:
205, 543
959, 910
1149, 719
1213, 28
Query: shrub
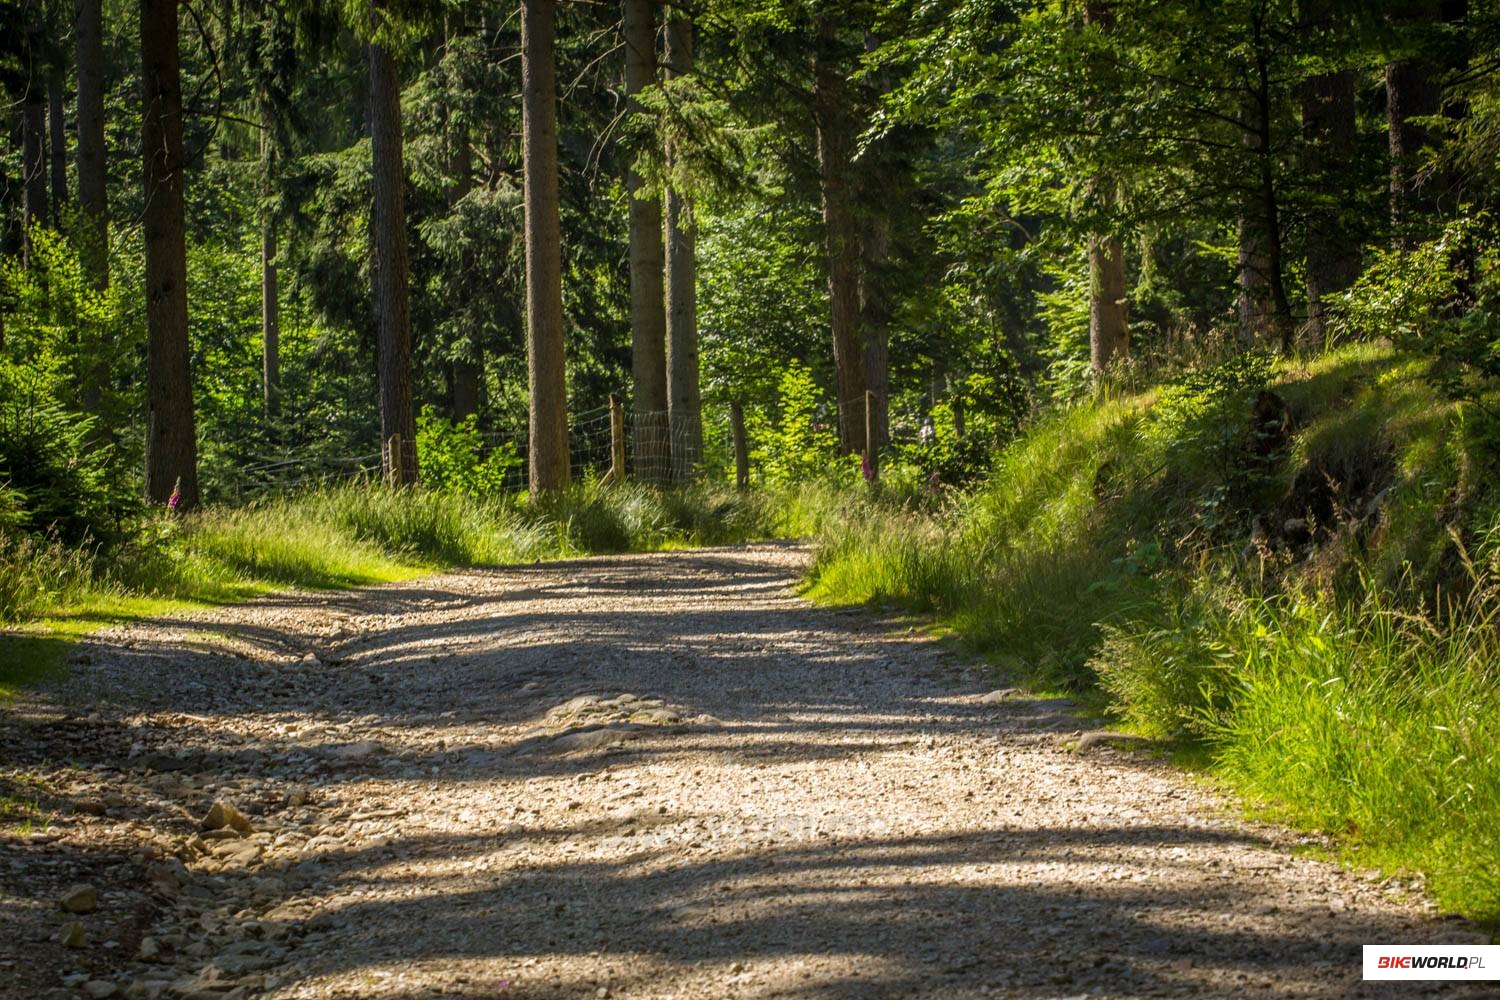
454, 456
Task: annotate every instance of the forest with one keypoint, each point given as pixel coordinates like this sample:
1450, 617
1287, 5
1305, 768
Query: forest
1148, 351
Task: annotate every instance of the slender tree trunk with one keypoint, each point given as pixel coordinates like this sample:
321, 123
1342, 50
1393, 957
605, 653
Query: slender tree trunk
93, 205
398, 428
1328, 128
683, 396
466, 363
544, 333
1265, 309
1109, 309
171, 439
840, 233
468, 367
875, 322
648, 317
270, 301
1412, 91
58, 137
33, 128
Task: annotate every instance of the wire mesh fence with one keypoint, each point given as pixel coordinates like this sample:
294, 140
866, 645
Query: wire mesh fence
649, 446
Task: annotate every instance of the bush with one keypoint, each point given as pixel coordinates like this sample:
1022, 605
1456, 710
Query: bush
801, 444
454, 456
56, 480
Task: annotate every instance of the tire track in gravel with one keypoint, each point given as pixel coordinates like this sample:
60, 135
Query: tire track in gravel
637, 776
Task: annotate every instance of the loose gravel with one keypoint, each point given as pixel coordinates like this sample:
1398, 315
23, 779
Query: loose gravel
639, 776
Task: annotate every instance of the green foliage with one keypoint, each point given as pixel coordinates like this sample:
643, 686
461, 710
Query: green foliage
39, 574
49, 462
1204, 426
1440, 298
454, 456
1312, 667
1406, 292
800, 444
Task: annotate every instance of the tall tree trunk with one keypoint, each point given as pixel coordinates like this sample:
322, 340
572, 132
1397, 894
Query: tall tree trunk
93, 205
1109, 309
171, 439
270, 302
683, 395
840, 232
544, 334
1265, 309
398, 427
468, 367
466, 363
33, 127
58, 137
648, 317
875, 322
1412, 91
1109, 306
1328, 128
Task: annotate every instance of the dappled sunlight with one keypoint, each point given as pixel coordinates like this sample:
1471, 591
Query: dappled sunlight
654, 775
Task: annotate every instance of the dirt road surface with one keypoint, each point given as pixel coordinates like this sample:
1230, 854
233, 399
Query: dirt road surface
639, 776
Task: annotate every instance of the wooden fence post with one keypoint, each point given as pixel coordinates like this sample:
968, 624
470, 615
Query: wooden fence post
616, 474
393, 467
872, 437
741, 448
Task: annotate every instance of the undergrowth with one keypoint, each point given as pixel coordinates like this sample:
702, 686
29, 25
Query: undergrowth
1286, 566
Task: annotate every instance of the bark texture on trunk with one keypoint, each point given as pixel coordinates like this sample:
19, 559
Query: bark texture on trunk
648, 318
1412, 91
544, 332
840, 233
93, 205
1329, 146
1109, 309
171, 440
270, 301
392, 293
33, 128
683, 395
58, 139
1265, 309
875, 324
92, 196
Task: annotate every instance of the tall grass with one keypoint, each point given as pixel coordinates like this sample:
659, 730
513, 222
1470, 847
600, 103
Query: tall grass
356, 535
1375, 724
1112, 554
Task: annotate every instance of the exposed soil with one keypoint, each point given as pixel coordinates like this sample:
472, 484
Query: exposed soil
639, 776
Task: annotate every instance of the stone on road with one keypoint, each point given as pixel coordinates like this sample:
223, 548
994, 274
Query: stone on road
634, 776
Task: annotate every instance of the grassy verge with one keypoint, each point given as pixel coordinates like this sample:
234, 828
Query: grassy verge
52, 595
1304, 598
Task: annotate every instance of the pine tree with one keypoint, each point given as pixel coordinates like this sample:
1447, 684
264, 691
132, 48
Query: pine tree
683, 395
648, 317
544, 334
171, 438
398, 426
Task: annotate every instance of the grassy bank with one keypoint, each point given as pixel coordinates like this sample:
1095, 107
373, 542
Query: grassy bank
1288, 566
51, 594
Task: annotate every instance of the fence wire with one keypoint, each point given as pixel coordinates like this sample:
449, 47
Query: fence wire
657, 450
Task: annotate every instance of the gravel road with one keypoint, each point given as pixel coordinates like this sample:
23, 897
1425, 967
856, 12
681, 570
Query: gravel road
638, 776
